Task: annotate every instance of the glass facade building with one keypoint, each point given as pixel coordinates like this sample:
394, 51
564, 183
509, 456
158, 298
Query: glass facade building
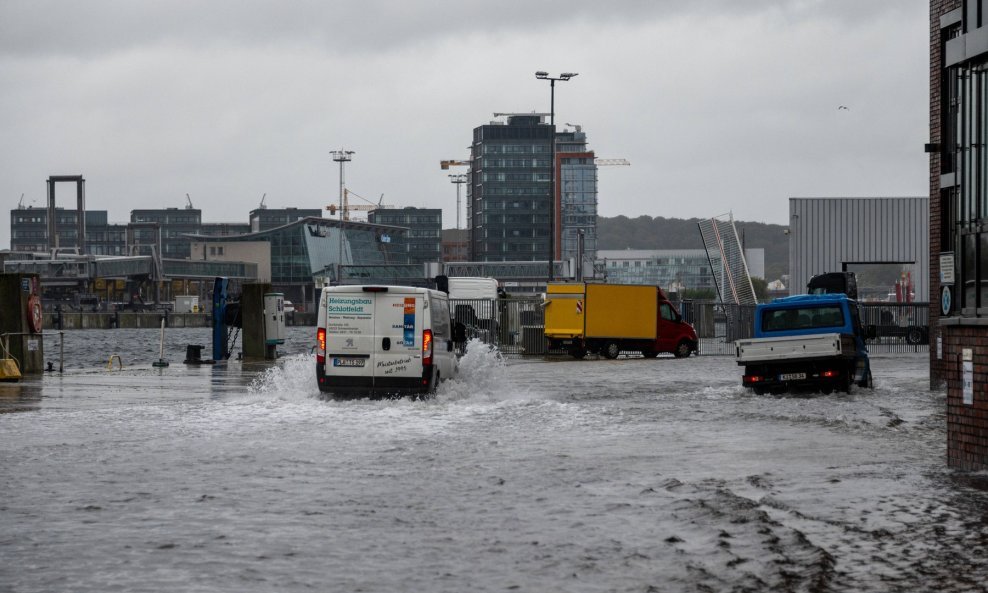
311, 247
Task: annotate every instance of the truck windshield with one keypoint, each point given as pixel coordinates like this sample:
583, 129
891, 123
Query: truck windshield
806, 318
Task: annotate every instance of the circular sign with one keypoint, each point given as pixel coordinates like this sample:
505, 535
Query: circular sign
945, 300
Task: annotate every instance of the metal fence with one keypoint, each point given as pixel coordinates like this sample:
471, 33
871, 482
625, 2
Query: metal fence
517, 325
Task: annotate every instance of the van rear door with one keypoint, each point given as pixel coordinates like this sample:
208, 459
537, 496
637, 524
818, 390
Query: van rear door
350, 334
398, 324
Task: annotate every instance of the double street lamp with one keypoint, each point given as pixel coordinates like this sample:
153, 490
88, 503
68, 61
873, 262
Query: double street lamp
552, 159
341, 156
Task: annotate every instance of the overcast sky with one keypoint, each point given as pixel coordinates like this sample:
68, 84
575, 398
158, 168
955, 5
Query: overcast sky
719, 105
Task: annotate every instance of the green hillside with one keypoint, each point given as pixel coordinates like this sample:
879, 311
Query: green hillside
645, 232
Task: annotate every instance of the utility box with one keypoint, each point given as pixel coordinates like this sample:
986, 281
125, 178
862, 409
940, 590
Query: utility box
186, 304
274, 318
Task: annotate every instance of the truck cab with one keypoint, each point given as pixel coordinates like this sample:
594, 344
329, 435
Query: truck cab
806, 340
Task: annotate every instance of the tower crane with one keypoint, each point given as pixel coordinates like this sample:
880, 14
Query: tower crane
610, 162
189, 200
445, 165
348, 207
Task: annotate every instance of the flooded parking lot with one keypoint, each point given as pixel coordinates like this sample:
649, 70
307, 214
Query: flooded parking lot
531, 475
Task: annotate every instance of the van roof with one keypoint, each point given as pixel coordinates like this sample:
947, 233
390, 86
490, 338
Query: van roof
370, 288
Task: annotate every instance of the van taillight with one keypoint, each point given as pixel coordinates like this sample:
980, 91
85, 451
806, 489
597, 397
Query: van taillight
427, 346
321, 339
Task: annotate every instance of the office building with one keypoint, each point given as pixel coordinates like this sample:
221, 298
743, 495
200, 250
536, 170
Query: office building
508, 193
422, 241
173, 224
263, 219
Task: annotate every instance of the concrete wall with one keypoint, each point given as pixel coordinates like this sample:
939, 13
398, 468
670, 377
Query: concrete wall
110, 320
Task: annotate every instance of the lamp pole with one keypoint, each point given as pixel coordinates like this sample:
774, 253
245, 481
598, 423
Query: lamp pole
459, 180
552, 159
341, 156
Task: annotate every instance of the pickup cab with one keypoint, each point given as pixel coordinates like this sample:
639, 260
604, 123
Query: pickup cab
806, 341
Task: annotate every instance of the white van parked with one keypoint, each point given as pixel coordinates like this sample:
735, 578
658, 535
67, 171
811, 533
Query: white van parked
383, 341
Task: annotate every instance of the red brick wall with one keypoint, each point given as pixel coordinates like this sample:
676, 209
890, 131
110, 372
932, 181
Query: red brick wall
937, 9
967, 425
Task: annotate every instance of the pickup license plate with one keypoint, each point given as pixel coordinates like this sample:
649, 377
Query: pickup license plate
792, 376
348, 362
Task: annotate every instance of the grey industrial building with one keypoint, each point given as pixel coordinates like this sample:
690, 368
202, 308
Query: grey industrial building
834, 234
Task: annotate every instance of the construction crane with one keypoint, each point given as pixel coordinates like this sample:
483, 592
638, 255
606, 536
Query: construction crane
348, 207
190, 206
445, 165
610, 162
20, 204
261, 206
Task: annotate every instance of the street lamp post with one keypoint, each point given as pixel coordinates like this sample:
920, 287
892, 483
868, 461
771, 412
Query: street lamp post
552, 159
459, 180
341, 156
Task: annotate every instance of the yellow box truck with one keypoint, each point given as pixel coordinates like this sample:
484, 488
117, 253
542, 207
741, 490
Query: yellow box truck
609, 319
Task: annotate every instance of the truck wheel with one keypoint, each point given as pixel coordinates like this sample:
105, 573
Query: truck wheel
914, 335
683, 349
866, 381
650, 353
578, 353
611, 350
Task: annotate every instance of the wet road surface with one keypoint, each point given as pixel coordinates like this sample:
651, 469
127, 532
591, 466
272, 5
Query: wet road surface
626, 475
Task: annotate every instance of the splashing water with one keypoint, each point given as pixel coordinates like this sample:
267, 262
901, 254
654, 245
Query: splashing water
483, 373
293, 377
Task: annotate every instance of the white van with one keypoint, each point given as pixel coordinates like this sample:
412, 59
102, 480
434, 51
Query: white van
383, 341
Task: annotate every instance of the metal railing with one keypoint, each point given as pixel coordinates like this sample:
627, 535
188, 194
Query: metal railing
517, 325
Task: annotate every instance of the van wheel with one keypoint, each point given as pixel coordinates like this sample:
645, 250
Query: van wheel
914, 335
611, 350
683, 349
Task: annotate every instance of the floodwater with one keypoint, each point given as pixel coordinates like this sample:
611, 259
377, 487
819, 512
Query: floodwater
627, 475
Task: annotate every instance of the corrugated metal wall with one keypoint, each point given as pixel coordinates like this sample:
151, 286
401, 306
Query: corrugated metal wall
825, 233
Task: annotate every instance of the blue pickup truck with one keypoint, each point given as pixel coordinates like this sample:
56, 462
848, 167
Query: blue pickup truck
806, 341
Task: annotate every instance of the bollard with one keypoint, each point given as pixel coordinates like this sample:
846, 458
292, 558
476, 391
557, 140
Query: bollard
161, 347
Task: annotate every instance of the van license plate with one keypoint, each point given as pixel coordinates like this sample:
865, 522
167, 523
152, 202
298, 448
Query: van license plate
792, 377
348, 362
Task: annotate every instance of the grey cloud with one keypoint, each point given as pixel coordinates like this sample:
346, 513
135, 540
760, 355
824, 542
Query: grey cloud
94, 27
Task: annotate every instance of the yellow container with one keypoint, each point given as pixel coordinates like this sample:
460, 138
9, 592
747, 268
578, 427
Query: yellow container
565, 304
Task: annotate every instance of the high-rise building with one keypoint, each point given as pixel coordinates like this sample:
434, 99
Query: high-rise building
508, 195
576, 196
